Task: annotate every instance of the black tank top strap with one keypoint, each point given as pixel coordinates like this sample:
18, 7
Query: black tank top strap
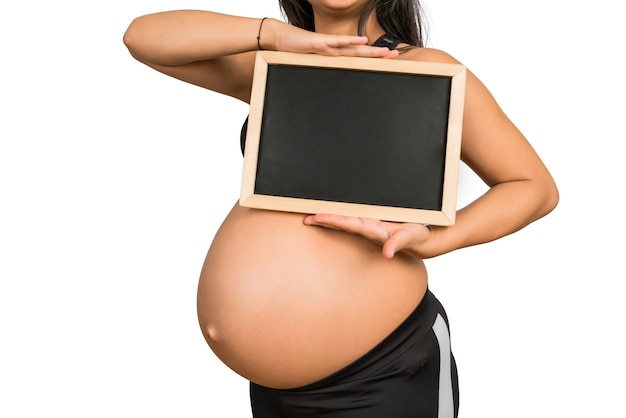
388, 41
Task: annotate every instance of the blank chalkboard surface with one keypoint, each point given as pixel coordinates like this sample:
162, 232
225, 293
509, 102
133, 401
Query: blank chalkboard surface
355, 136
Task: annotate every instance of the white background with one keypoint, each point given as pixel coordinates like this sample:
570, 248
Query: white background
114, 178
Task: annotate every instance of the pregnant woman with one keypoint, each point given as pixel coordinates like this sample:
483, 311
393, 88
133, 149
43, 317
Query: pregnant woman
326, 315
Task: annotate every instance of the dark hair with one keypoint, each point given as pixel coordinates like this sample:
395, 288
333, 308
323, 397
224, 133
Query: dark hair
400, 19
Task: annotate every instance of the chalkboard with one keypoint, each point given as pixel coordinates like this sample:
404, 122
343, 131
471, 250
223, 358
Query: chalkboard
360, 137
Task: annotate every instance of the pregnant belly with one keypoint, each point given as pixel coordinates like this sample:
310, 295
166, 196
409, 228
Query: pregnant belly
284, 304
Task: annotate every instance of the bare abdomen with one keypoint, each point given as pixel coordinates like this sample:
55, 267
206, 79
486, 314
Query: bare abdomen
284, 304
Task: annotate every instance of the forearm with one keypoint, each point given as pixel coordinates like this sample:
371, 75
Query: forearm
504, 209
184, 36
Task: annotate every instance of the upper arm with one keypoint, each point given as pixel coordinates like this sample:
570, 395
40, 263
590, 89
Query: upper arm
230, 75
491, 145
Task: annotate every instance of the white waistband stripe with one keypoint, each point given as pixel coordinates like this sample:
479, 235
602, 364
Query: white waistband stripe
446, 400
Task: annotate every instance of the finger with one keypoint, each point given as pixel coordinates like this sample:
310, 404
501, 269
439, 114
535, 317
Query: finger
405, 237
372, 51
397, 241
327, 219
390, 248
316, 220
350, 46
367, 51
341, 41
333, 44
376, 51
372, 229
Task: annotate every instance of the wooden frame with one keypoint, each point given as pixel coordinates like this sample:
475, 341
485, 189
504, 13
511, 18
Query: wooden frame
286, 102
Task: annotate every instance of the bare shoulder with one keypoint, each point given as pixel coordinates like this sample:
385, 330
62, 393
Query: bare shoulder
428, 55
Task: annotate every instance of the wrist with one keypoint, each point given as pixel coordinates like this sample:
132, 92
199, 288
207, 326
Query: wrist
430, 248
265, 37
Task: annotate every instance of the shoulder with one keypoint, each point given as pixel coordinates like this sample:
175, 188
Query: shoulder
474, 88
428, 55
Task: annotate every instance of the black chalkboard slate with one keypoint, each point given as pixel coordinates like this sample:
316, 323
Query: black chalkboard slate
351, 140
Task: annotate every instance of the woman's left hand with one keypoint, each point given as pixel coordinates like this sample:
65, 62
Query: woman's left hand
393, 237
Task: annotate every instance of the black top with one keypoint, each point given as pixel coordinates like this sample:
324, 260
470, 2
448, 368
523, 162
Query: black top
242, 139
387, 41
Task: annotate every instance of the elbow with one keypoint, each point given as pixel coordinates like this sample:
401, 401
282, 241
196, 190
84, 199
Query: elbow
133, 39
550, 197
129, 37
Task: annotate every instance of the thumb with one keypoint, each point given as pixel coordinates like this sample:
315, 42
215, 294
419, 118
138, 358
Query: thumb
396, 241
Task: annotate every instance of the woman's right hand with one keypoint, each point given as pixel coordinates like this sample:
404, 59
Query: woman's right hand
280, 36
